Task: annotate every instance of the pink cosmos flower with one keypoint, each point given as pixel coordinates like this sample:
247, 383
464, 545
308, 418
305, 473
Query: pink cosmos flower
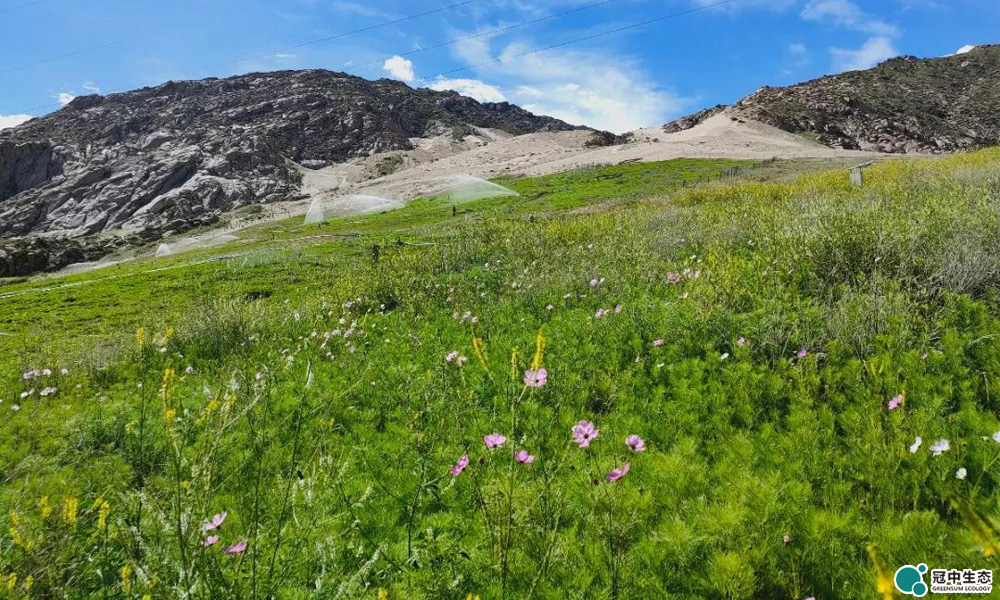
460, 466
802, 353
536, 379
895, 402
583, 433
522, 456
635, 443
657, 343
210, 541
494, 440
617, 474
215, 522
236, 548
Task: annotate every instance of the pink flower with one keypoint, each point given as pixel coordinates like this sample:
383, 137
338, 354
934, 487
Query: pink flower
802, 353
895, 402
189, 370
210, 541
522, 456
47, 391
635, 443
593, 282
600, 313
236, 548
451, 356
617, 474
460, 466
787, 539
584, 432
494, 440
536, 379
741, 342
215, 522
657, 343
618, 309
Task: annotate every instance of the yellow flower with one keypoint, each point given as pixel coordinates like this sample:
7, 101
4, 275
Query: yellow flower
102, 515
140, 337
126, 578
44, 508
383, 594
15, 533
480, 347
884, 583
169, 416
471, 597
28, 581
168, 383
536, 362
69, 509
12, 581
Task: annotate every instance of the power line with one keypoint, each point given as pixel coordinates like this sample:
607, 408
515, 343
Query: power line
645, 23
22, 5
357, 31
491, 32
59, 57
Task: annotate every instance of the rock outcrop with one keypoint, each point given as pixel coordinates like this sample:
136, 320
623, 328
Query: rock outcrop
903, 105
175, 156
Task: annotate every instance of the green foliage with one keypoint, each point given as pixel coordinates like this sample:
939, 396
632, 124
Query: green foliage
321, 412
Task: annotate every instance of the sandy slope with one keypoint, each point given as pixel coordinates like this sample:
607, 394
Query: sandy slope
544, 153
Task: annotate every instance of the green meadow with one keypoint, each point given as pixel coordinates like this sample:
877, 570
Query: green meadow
811, 370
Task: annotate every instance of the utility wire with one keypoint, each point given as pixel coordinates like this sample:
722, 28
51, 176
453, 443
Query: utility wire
59, 57
357, 31
490, 32
22, 5
645, 23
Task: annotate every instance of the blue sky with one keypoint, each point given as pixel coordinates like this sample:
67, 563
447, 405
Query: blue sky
52, 50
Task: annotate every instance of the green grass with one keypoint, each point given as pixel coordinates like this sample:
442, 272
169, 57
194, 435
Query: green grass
322, 415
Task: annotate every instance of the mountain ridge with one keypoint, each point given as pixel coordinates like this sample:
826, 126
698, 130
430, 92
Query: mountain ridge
903, 105
175, 156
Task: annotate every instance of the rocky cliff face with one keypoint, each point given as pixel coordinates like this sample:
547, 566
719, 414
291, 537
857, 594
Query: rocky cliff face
905, 104
175, 156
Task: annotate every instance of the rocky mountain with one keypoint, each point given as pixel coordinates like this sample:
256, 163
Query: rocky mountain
903, 105
175, 156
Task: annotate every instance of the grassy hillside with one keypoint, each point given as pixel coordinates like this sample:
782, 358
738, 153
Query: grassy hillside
779, 348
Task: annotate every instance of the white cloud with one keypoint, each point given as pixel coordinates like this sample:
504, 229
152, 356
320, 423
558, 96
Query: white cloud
582, 87
400, 68
848, 15
472, 88
964, 49
872, 52
13, 120
65, 98
797, 49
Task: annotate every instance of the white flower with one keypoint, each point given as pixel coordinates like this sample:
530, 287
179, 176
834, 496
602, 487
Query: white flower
996, 437
724, 356
916, 445
940, 447
961, 473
